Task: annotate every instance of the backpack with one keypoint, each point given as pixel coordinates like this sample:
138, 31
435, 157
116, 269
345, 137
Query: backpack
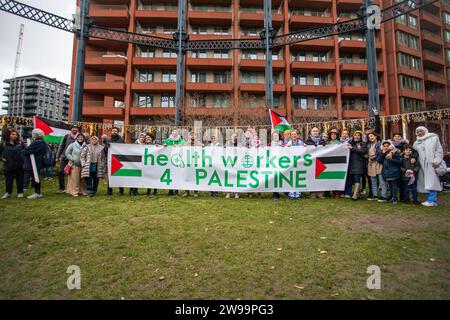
48, 157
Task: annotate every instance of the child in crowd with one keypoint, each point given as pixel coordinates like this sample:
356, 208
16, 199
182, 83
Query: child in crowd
391, 168
409, 169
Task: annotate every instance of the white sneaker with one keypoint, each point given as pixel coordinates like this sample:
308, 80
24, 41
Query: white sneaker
228, 196
20, 195
236, 195
429, 204
6, 195
35, 196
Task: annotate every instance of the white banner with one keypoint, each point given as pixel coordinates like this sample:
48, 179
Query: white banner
265, 169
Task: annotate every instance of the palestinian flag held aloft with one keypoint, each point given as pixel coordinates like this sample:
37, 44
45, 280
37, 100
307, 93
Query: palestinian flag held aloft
54, 131
278, 122
122, 165
325, 166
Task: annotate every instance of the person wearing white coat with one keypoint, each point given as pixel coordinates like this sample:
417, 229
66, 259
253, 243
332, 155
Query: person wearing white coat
431, 156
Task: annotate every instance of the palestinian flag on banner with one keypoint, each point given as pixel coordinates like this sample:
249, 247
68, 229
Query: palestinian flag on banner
325, 166
122, 165
278, 122
54, 131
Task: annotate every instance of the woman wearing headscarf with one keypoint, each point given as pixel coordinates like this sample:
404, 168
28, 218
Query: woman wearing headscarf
92, 165
431, 157
75, 185
37, 148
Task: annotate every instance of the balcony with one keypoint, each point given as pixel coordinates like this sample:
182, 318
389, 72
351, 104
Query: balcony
107, 61
153, 86
153, 111
261, 87
311, 112
259, 64
352, 4
432, 37
358, 90
316, 44
97, 109
113, 16
99, 84
358, 68
310, 3
433, 76
430, 20
298, 22
157, 16
312, 89
356, 45
208, 111
432, 58
210, 18
311, 66
256, 19
209, 87
209, 63
157, 62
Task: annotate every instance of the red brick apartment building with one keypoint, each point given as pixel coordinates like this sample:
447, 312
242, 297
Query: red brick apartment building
323, 78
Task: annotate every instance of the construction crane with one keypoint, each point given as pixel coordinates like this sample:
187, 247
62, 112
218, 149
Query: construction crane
83, 27
16, 64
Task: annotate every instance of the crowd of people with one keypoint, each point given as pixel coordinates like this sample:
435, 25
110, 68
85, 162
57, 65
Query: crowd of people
385, 170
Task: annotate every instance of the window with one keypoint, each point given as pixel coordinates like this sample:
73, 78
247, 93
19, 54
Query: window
220, 101
276, 101
220, 55
249, 77
146, 76
447, 18
321, 103
447, 36
220, 30
319, 57
448, 54
145, 101
252, 55
167, 101
412, 22
169, 29
406, 60
401, 19
220, 77
410, 105
169, 76
148, 29
198, 77
199, 54
169, 54
410, 83
302, 80
198, 101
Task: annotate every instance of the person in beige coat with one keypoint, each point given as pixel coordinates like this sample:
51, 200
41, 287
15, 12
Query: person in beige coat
92, 165
75, 185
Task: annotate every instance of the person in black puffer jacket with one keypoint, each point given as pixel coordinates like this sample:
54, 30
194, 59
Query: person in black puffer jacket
37, 148
391, 167
11, 156
357, 164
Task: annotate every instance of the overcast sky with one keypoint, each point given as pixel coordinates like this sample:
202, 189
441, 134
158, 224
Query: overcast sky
45, 50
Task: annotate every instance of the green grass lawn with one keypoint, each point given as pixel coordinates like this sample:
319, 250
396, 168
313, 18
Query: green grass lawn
180, 248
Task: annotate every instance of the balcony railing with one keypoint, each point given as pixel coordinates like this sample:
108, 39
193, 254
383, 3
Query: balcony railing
433, 53
109, 7
101, 79
106, 54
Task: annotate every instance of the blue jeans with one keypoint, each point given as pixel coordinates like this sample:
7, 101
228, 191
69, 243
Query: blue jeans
394, 189
432, 197
378, 181
406, 188
49, 172
351, 179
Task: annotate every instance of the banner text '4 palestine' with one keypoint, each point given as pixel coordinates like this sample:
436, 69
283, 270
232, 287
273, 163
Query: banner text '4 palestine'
266, 169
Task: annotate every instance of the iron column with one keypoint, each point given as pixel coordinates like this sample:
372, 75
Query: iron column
267, 35
181, 37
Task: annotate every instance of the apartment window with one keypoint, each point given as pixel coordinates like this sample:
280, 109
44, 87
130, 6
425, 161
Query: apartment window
199, 54
146, 76
147, 52
301, 102
169, 29
412, 22
447, 18
448, 54
319, 80
169, 54
220, 101
145, 101
167, 101
198, 77
302, 80
347, 80
220, 77
410, 83
252, 55
250, 77
319, 57
148, 29
347, 58
119, 104
251, 32
220, 30
401, 19
321, 103
169, 76
406, 60
348, 103
410, 105
198, 101
276, 101
447, 36
220, 55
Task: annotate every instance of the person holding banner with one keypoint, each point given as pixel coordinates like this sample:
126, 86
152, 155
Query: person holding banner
175, 139
333, 138
192, 142
315, 139
276, 142
34, 160
233, 143
92, 165
115, 138
295, 142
